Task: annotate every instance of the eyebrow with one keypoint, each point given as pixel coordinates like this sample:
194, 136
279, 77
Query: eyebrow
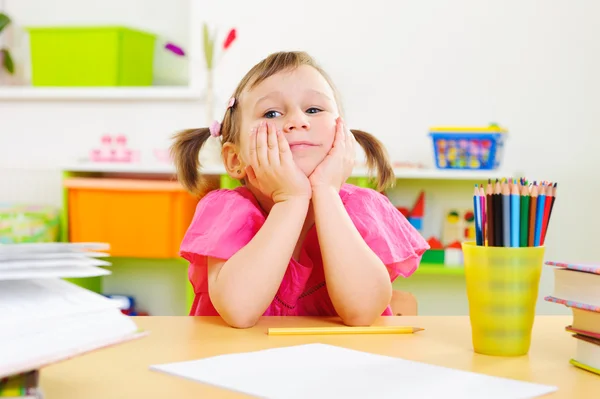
278, 94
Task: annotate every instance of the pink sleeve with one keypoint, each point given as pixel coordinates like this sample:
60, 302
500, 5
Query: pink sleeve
224, 222
387, 232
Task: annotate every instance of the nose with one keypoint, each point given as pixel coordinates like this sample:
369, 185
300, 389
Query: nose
295, 121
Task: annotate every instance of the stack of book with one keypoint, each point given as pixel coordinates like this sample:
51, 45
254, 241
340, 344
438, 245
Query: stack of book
45, 319
577, 286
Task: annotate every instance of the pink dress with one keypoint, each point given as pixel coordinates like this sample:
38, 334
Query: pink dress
226, 220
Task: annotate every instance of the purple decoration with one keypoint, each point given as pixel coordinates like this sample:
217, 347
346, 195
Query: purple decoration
174, 49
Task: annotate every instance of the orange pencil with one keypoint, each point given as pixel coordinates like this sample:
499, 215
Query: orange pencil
532, 212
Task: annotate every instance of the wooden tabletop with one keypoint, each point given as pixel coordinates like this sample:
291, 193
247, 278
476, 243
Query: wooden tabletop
122, 371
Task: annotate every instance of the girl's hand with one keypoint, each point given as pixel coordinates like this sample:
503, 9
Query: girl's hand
337, 166
272, 168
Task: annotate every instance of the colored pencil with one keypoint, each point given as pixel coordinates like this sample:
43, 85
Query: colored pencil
515, 213
539, 217
506, 215
490, 214
532, 214
343, 330
498, 225
478, 217
524, 216
483, 213
550, 192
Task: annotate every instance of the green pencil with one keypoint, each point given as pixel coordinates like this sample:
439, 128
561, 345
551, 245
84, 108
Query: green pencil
524, 216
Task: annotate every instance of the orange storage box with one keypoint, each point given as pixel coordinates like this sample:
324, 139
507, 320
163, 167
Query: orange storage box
139, 218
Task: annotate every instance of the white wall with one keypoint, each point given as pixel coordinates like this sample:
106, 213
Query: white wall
401, 67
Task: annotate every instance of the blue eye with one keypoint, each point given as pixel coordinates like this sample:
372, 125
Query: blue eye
270, 114
313, 110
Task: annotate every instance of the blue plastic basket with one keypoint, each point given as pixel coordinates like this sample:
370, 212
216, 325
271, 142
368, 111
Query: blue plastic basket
469, 148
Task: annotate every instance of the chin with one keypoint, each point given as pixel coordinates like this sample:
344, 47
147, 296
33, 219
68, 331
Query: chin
308, 170
307, 167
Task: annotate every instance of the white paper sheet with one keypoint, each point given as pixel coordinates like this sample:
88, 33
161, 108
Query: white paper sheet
52, 272
39, 263
53, 247
9, 256
36, 301
325, 371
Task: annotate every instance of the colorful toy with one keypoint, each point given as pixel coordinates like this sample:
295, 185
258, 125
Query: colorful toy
435, 254
453, 255
448, 256
113, 149
28, 223
126, 304
415, 215
468, 147
459, 225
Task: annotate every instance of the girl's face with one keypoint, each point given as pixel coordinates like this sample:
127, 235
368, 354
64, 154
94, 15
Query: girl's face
301, 104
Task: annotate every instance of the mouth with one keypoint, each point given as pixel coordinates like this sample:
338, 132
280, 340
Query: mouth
298, 145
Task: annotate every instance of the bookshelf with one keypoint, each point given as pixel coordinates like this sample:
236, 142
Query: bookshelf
193, 91
127, 265
400, 173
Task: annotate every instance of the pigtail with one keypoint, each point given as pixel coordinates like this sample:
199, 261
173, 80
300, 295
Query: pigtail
185, 152
377, 157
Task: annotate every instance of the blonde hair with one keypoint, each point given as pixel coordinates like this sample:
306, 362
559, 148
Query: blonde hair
188, 143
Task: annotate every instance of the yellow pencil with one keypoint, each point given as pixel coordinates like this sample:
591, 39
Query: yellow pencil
343, 330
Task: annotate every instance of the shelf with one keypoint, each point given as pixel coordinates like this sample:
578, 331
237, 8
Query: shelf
100, 93
436, 269
401, 173
441, 174
135, 168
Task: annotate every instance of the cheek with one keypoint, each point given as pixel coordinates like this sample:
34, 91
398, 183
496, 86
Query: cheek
244, 146
328, 135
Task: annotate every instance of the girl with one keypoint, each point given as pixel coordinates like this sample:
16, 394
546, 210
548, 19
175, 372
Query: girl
295, 239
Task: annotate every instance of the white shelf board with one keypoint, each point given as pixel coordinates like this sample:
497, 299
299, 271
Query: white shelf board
99, 93
401, 173
448, 174
124, 167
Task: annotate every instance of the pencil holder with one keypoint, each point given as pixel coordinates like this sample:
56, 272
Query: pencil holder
502, 289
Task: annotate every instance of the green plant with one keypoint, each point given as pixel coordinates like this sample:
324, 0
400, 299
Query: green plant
7, 61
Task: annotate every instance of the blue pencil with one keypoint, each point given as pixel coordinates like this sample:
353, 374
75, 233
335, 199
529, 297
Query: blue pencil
515, 215
478, 217
539, 217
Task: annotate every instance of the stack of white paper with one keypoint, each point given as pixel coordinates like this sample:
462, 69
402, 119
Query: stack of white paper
323, 371
46, 260
44, 319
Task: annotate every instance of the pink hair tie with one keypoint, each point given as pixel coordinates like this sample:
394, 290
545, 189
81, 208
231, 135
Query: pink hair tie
231, 102
215, 129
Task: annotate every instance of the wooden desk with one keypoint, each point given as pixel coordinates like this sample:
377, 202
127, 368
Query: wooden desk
122, 371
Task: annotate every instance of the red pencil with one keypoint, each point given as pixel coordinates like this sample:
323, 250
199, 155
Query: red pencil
532, 213
548, 204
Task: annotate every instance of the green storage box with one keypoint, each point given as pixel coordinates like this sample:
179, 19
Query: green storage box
91, 56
